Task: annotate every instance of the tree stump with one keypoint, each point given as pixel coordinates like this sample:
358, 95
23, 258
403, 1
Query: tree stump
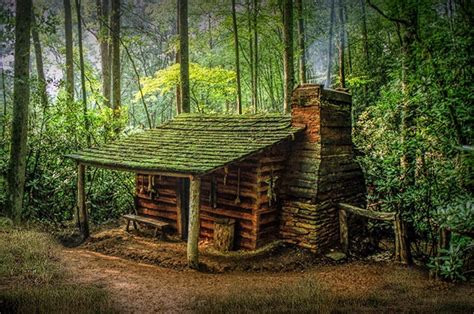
224, 230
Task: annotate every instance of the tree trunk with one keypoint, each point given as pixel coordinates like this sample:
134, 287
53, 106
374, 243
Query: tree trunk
21, 100
4, 113
39, 62
194, 224
179, 107
364, 33
82, 215
184, 56
83, 75
342, 42
255, 56
103, 12
237, 58
116, 75
69, 50
331, 34
301, 43
288, 53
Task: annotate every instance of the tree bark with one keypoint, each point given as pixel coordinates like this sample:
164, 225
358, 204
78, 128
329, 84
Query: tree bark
255, 56
4, 113
288, 53
69, 50
21, 100
342, 43
364, 33
179, 107
83, 75
184, 56
237, 58
82, 215
116, 75
39, 62
194, 224
301, 42
103, 12
331, 34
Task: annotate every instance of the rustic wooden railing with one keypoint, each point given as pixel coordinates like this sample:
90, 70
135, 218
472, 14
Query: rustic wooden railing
402, 249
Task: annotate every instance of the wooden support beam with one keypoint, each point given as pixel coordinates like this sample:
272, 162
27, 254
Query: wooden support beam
82, 216
343, 231
194, 226
367, 213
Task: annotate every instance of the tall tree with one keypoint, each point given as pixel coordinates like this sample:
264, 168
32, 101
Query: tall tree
21, 100
301, 42
83, 75
331, 34
103, 13
341, 46
255, 56
237, 58
288, 53
179, 106
39, 62
184, 55
116, 75
69, 50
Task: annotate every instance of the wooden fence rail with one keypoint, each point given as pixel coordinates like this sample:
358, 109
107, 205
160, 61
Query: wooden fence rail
402, 249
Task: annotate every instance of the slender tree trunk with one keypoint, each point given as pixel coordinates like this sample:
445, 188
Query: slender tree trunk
193, 230
289, 78
255, 56
364, 33
116, 75
348, 40
179, 106
251, 53
237, 58
4, 93
331, 34
184, 55
21, 100
103, 12
39, 62
301, 43
342, 42
69, 50
83, 75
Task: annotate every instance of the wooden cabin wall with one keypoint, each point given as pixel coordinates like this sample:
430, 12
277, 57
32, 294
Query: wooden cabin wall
257, 218
161, 205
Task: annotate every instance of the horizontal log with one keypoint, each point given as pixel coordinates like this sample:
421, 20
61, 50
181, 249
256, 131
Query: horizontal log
156, 206
367, 213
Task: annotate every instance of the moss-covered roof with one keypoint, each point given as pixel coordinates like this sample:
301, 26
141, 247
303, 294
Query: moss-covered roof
191, 143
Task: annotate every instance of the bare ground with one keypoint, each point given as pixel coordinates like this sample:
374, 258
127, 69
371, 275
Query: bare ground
144, 288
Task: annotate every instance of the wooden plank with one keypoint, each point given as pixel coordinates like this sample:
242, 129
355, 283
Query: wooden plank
343, 231
368, 213
193, 234
83, 217
146, 220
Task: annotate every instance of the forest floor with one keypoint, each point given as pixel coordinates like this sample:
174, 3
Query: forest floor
138, 280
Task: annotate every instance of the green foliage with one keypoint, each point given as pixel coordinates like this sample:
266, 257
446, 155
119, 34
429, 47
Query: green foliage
451, 264
211, 88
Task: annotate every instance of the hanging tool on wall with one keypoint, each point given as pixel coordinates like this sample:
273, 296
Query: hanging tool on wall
142, 186
271, 192
213, 193
237, 199
226, 172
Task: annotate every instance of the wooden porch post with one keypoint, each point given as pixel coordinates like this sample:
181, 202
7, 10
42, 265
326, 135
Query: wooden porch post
82, 216
194, 224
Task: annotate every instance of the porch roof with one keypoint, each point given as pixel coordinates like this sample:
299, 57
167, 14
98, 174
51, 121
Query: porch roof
192, 144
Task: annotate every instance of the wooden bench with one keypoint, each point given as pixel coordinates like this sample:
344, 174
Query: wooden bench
158, 224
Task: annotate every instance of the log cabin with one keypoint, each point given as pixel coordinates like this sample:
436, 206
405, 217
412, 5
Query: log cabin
276, 177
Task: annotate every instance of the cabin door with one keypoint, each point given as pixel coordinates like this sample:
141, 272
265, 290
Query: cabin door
183, 207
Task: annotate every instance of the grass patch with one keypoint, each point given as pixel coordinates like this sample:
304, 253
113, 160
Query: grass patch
32, 278
306, 296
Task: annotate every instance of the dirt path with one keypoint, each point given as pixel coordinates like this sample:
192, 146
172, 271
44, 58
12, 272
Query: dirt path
143, 288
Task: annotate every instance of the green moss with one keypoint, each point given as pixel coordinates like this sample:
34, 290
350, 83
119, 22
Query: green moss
192, 143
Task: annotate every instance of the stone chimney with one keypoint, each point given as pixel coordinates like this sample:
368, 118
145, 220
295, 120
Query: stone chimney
321, 170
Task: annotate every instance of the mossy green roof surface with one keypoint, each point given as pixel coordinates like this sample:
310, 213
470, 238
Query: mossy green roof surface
192, 144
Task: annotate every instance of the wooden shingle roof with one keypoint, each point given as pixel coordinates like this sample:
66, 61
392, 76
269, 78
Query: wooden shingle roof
191, 144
